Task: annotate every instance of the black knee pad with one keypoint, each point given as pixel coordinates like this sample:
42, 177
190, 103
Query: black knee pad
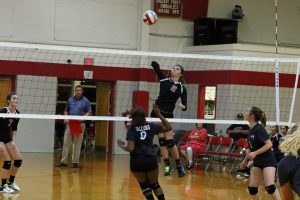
162, 142
253, 190
155, 186
271, 189
18, 163
6, 164
170, 143
146, 191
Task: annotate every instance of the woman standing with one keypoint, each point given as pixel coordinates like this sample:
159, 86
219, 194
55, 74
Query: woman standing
143, 162
171, 89
9, 150
264, 163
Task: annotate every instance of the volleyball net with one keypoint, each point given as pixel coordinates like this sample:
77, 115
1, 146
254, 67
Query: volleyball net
218, 87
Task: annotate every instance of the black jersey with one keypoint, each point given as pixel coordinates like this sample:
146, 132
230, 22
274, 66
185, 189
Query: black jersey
169, 92
256, 139
143, 138
7, 125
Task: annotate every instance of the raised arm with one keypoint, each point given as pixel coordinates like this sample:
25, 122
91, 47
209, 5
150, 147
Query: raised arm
184, 99
157, 70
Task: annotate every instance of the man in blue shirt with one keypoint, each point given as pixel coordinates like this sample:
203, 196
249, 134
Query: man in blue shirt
76, 105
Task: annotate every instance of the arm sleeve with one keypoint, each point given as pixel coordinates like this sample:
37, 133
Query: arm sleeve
262, 135
157, 70
67, 108
130, 135
88, 106
184, 98
203, 137
231, 127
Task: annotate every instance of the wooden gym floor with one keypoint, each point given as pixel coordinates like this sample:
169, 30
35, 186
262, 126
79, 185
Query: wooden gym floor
108, 178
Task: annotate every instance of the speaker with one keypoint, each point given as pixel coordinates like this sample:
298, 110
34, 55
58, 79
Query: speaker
204, 31
226, 31
209, 31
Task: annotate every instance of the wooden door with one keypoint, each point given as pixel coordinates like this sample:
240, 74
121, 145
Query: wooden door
5, 89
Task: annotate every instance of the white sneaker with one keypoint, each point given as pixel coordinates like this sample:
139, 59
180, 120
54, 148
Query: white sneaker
14, 186
6, 189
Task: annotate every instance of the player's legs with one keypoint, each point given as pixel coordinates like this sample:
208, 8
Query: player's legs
174, 150
269, 174
154, 184
5, 169
77, 146
68, 140
142, 178
256, 176
14, 152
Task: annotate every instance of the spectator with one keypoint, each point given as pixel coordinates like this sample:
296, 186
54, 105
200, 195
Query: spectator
193, 142
237, 131
77, 105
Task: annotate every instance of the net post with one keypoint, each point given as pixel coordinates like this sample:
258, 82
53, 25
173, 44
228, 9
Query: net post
294, 94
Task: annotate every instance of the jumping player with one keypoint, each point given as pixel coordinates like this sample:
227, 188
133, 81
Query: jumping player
9, 150
143, 162
264, 163
171, 89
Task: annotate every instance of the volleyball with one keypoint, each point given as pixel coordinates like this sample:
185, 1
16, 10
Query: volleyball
149, 17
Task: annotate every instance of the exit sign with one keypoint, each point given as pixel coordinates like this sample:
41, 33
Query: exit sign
88, 61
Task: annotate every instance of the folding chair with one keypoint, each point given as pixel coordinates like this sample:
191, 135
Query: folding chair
235, 156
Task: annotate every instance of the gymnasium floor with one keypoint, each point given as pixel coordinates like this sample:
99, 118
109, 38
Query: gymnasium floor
108, 178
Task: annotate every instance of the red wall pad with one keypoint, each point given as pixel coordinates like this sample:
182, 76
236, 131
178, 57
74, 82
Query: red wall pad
141, 99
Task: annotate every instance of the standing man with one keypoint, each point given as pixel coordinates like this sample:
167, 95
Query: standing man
76, 105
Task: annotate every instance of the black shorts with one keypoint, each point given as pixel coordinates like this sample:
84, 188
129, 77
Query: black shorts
5, 138
264, 164
166, 115
143, 164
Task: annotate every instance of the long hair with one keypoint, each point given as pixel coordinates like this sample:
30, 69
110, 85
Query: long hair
259, 115
181, 79
138, 116
291, 143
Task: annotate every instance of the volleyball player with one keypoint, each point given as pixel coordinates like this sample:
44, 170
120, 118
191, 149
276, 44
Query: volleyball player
171, 89
264, 163
143, 163
289, 167
8, 149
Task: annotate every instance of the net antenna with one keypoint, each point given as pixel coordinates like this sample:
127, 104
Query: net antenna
277, 92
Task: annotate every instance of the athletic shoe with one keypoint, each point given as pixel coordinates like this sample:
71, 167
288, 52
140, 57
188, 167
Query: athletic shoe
168, 170
189, 166
243, 172
14, 186
75, 165
180, 171
6, 189
60, 164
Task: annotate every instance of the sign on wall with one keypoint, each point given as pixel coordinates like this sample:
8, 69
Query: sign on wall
170, 8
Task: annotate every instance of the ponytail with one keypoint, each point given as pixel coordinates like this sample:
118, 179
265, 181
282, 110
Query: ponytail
263, 119
259, 115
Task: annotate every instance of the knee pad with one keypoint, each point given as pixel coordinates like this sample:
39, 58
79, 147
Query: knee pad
253, 190
162, 142
18, 163
146, 191
6, 164
155, 186
271, 189
170, 143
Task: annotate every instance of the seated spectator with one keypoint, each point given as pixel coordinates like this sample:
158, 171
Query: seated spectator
284, 130
237, 131
193, 142
275, 138
289, 166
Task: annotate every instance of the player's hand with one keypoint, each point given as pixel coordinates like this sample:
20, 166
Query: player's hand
66, 121
155, 64
251, 156
181, 106
243, 164
120, 143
